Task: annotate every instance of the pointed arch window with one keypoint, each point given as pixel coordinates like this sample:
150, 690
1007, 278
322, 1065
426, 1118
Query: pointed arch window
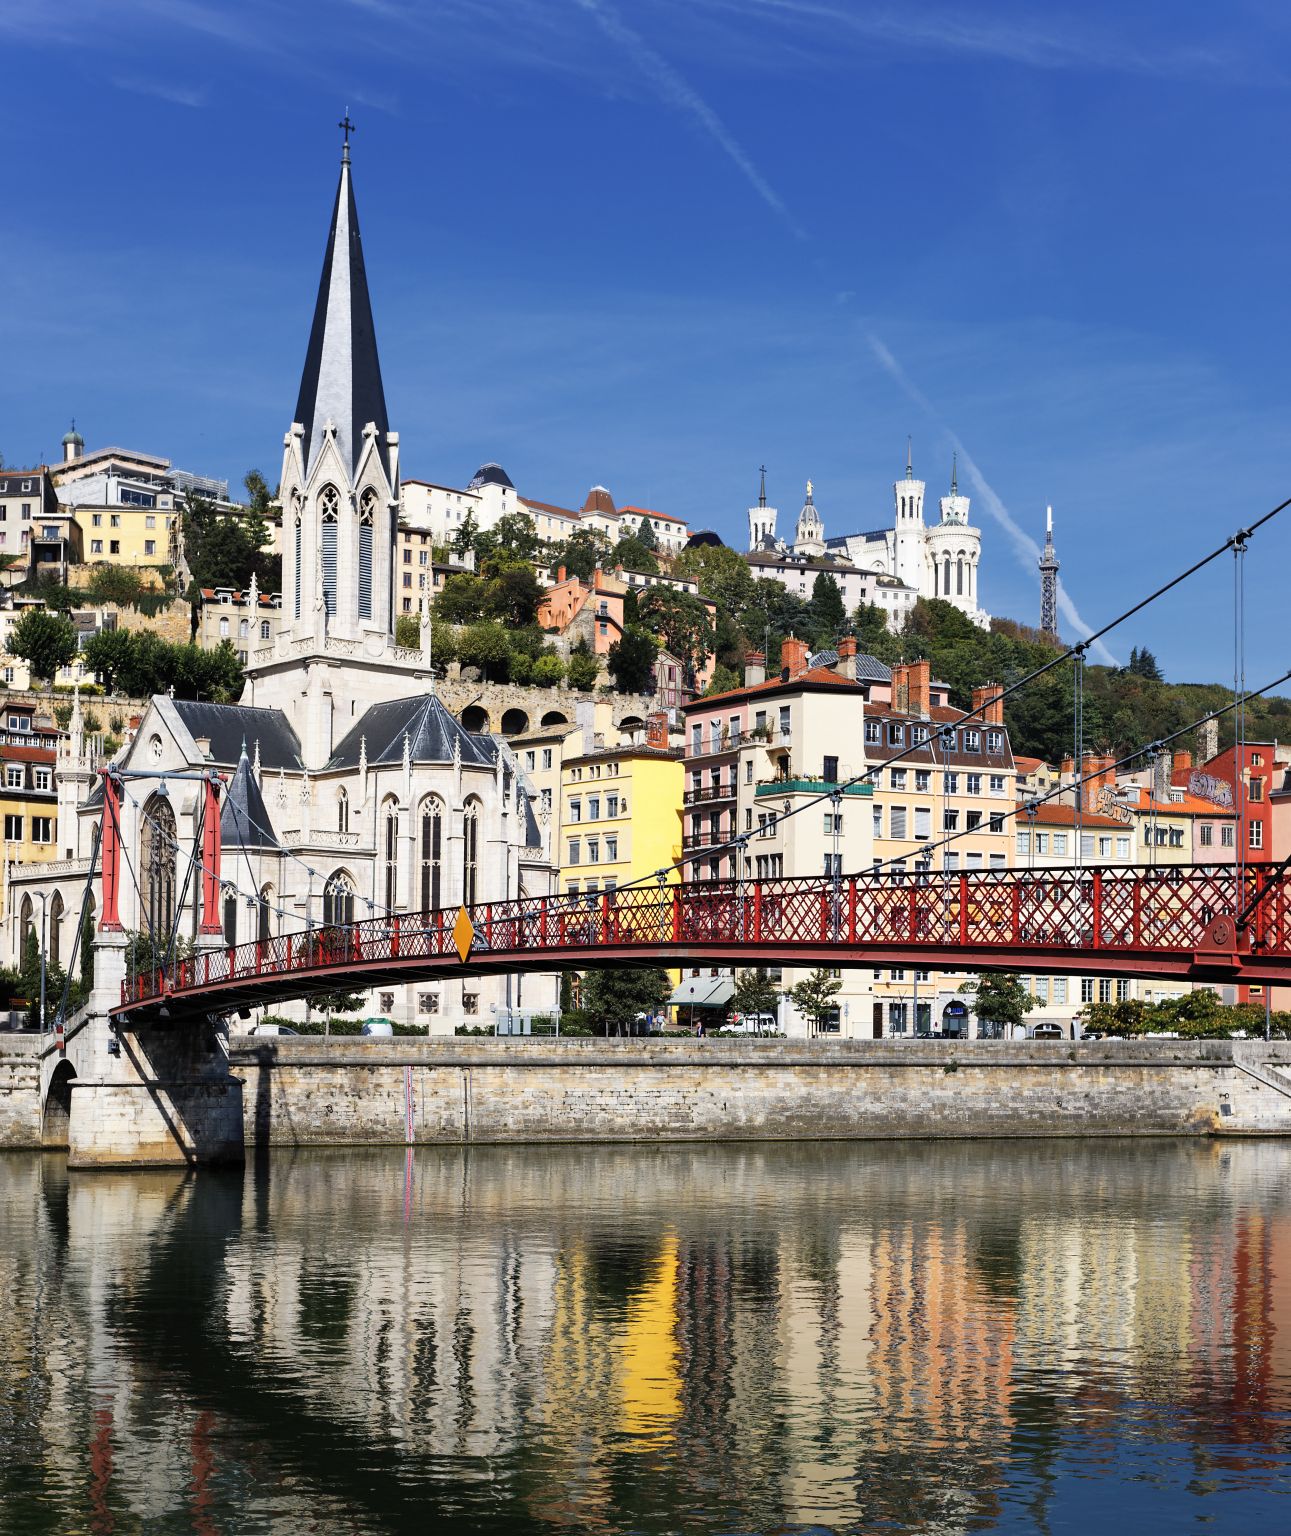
945, 586
342, 809
390, 856
470, 852
230, 918
329, 500
295, 518
157, 860
367, 511
431, 854
959, 578
264, 915
24, 927
53, 939
338, 901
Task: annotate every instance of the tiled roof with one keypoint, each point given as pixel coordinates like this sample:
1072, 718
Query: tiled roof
1051, 814
430, 728
1029, 764
244, 818
227, 726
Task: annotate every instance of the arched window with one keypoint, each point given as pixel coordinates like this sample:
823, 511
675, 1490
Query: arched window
264, 915
24, 928
389, 855
230, 918
367, 509
329, 500
959, 578
53, 939
157, 868
295, 518
935, 574
945, 584
470, 851
342, 810
338, 901
430, 846
264, 629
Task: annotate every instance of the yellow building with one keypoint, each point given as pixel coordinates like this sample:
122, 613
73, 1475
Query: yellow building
126, 535
28, 798
620, 816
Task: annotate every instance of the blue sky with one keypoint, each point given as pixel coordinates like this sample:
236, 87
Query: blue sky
655, 243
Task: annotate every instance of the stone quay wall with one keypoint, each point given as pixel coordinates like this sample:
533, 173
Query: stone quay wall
301, 1092
20, 1107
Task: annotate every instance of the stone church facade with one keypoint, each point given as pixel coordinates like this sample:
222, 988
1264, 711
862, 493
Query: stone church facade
350, 790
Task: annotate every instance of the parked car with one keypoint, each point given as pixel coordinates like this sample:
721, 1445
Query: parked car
273, 1029
382, 1028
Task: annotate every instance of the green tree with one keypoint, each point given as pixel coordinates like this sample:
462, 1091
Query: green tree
614, 1000
407, 631
512, 593
1000, 999
259, 496
870, 626
513, 537
45, 641
486, 646
1144, 664
583, 669
633, 555
631, 660
723, 680
828, 614
646, 536
106, 653
463, 540
225, 549
754, 994
681, 622
814, 996
115, 584
548, 670
723, 575
462, 598
580, 554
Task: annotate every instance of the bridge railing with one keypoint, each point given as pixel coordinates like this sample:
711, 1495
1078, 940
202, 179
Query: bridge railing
1121, 909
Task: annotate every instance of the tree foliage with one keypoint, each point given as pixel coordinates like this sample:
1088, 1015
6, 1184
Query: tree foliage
1194, 1016
613, 1000
141, 663
225, 549
1001, 998
680, 622
45, 641
754, 993
828, 613
583, 669
814, 997
631, 660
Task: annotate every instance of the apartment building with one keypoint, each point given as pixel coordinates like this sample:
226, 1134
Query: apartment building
248, 620
620, 815
28, 503
28, 792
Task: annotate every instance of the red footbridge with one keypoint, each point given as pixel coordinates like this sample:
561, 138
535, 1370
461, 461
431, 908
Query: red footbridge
1188, 922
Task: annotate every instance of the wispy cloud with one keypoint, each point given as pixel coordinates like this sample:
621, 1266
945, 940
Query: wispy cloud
1025, 548
163, 90
675, 92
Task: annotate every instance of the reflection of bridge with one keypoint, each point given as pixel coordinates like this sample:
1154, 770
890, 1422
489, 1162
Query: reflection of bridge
1196, 923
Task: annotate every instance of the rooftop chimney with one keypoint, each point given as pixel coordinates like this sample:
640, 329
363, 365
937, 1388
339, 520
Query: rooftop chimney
1207, 741
847, 657
989, 700
755, 668
560, 573
1161, 766
912, 687
1183, 762
793, 656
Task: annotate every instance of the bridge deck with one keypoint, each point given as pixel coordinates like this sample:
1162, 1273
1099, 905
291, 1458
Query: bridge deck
1179, 922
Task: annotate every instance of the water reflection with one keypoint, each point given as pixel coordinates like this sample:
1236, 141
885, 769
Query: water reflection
940, 1337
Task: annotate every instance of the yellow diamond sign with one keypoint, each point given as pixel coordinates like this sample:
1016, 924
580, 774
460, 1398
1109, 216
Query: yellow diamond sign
463, 934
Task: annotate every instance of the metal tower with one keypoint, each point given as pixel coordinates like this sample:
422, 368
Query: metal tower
1049, 580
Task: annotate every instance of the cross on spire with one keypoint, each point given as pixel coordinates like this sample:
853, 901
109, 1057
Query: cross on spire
347, 127
762, 494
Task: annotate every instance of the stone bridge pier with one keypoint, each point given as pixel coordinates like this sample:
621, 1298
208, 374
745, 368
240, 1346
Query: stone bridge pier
152, 1097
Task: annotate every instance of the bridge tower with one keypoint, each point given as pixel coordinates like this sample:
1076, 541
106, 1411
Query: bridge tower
1049, 580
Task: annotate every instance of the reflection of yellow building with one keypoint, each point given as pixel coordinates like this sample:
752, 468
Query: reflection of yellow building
651, 1386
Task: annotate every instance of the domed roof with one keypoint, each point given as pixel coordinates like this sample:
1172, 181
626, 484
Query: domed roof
73, 438
599, 500
489, 474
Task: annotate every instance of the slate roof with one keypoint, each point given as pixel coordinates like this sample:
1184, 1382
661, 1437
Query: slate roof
228, 725
244, 820
431, 732
489, 474
341, 381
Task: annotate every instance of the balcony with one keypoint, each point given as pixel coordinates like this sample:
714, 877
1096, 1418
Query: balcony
806, 786
727, 742
694, 840
712, 792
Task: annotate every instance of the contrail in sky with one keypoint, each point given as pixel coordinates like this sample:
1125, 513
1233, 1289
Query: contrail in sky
1024, 546
675, 91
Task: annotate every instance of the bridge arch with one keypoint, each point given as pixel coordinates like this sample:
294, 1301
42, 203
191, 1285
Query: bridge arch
56, 1113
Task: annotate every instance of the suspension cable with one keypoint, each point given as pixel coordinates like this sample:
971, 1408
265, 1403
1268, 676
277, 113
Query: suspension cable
1078, 741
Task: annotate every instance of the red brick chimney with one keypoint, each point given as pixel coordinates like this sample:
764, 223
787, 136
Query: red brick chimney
657, 731
847, 657
989, 699
793, 656
912, 687
560, 573
755, 668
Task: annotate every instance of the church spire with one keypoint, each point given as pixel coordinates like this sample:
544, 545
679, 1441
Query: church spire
340, 387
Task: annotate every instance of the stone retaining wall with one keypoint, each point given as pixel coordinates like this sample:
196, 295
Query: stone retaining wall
19, 1091
314, 1091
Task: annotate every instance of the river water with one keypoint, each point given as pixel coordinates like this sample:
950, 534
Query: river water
973, 1336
